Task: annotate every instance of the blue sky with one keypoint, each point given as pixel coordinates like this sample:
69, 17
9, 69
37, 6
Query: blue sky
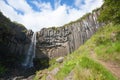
52, 2
37, 14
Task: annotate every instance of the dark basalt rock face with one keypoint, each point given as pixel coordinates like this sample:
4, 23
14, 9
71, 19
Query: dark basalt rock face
14, 42
59, 41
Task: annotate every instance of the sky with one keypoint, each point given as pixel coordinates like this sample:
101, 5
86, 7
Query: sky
38, 14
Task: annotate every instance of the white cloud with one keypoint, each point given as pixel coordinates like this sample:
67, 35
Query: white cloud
20, 5
57, 3
88, 5
8, 11
47, 17
78, 3
43, 6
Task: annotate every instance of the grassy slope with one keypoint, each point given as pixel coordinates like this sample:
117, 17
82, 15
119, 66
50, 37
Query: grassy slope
105, 44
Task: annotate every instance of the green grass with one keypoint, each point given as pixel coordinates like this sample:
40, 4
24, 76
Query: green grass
108, 48
105, 44
65, 70
91, 70
84, 68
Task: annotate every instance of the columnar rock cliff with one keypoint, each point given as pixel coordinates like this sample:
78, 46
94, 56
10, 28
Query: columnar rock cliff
60, 41
51, 42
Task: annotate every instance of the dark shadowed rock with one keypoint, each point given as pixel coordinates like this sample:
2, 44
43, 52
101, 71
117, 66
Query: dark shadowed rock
14, 44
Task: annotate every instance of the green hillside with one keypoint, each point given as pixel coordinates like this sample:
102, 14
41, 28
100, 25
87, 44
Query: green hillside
84, 62
98, 58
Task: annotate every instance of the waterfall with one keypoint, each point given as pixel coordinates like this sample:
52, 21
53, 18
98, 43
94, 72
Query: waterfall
31, 52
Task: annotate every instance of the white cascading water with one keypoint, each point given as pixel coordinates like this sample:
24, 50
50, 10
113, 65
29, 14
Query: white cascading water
31, 53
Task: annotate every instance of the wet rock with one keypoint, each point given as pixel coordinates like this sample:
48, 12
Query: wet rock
18, 78
31, 77
29, 33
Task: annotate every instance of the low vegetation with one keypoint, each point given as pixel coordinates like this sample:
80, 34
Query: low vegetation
105, 44
108, 43
2, 69
110, 11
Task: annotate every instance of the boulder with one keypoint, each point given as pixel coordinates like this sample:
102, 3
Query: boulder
60, 59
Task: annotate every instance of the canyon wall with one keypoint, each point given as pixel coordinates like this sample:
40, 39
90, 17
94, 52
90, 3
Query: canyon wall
51, 42
60, 41
14, 42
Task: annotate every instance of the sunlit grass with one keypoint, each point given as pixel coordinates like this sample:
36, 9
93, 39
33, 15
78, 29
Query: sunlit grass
88, 69
105, 44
